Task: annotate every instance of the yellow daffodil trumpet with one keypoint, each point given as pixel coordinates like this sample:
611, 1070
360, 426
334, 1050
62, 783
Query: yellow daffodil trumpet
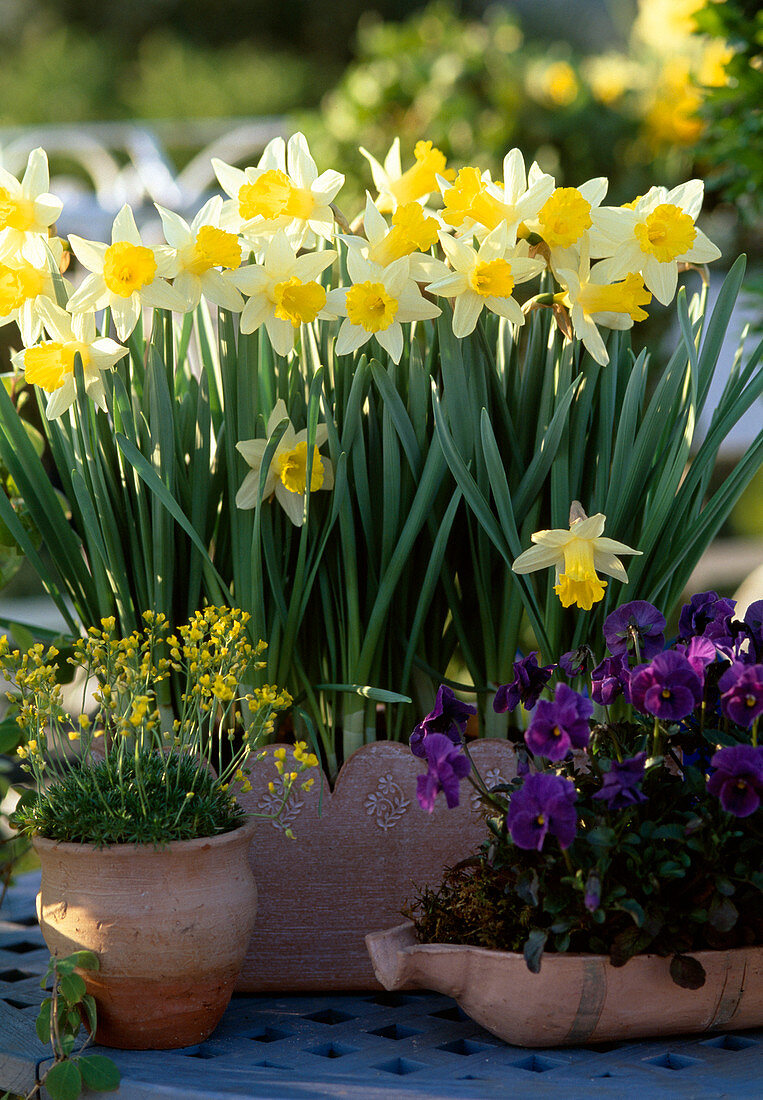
577, 555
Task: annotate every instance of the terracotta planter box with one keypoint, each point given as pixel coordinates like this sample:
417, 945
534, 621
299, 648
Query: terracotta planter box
575, 998
359, 854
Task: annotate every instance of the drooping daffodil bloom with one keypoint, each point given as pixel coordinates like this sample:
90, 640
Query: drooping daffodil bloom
652, 236
27, 210
416, 184
475, 205
592, 300
576, 555
284, 192
484, 279
125, 276
50, 365
283, 292
197, 252
287, 475
379, 301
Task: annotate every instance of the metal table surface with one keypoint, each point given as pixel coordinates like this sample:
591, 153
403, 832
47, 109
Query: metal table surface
370, 1046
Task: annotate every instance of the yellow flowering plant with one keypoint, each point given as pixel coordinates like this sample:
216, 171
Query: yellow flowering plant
360, 442
125, 770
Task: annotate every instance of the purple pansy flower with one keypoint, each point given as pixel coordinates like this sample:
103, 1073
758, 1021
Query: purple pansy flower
529, 681
558, 727
741, 688
574, 663
619, 787
608, 680
640, 619
446, 767
753, 621
738, 778
543, 805
700, 652
707, 614
668, 687
449, 716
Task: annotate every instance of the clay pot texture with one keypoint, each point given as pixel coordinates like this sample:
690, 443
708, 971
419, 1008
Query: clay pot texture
170, 927
360, 853
575, 999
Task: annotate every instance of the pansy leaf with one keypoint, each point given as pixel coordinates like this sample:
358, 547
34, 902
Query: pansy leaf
533, 949
687, 972
723, 915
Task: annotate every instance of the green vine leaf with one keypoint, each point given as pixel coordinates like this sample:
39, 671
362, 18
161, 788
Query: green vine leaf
63, 1081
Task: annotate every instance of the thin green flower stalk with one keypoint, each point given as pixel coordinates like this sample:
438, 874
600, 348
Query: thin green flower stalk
131, 774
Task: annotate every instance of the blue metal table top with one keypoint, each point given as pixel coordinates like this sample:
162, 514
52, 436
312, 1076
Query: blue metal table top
377, 1045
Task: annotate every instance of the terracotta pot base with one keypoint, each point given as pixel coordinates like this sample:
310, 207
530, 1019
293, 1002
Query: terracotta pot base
575, 999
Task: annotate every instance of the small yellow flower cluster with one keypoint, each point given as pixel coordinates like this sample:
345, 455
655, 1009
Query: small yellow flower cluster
211, 654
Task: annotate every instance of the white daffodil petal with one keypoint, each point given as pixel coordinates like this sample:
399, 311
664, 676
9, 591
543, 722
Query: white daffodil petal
537, 557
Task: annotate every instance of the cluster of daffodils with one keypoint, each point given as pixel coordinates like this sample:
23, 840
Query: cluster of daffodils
211, 655
266, 251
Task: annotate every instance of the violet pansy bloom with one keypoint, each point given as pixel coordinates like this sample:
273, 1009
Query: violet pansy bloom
574, 663
700, 652
738, 778
753, 621
608, 680
620, 785
529, 681
592, 895
449, 716
741, 688
446, 767
544, 805
667, 688
708, 614
561, 725
637, 619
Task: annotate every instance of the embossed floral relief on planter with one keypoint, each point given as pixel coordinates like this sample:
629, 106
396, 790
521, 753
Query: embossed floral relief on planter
359, 853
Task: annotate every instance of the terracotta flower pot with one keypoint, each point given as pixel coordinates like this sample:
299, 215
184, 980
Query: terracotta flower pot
575, 998
360, 853
170, 927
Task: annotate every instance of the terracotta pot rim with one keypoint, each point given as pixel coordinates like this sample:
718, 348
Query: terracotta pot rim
247, 829
550, 958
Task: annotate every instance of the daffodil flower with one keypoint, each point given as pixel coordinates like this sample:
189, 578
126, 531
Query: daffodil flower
411, 234
282, 291
652, 236
125, 276
22, 286
27, 210
196, 251
287, 475
564, 219
576, 555
50, 365
593, 300
484, 279
283, 192
415, 184
475, 205
379, 301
